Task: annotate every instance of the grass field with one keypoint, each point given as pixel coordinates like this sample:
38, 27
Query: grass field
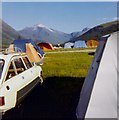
66, 65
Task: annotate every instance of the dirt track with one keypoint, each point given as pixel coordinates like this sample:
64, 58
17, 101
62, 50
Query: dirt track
70, 51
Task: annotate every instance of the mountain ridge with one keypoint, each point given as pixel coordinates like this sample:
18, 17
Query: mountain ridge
8, 33
43, 33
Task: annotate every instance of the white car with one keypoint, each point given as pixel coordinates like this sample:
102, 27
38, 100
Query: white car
18, 76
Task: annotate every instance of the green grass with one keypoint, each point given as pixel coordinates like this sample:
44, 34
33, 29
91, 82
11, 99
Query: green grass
66, 64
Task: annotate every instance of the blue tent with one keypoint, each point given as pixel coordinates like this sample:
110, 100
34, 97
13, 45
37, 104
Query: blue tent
22, 45
69, 45
80, 44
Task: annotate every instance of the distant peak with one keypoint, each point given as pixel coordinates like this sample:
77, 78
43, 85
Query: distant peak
85, 29
36, 26
40, 25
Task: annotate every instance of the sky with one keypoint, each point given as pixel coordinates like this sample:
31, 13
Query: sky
63, 16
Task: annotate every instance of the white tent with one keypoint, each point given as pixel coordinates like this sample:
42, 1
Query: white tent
69, 45
98, 98
80, 44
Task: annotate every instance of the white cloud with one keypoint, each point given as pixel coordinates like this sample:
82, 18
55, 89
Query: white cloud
105, 18
108, 19
116, 18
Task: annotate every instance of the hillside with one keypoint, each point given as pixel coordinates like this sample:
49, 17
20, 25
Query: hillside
79, 33
97, 32
8, 34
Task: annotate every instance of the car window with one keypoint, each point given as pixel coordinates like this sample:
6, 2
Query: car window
1, 66
27, 62
19, 65
11, 72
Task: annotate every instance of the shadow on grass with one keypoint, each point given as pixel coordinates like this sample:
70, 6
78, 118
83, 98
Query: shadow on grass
56, 98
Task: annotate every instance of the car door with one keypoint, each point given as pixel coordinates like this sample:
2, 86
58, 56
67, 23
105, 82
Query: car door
32, 71
29, 78
20, 79
10, 86
16, 81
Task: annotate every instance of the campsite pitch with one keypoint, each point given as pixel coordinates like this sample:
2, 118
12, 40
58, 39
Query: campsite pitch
58, 97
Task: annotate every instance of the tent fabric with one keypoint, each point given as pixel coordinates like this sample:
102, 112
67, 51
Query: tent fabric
11, 48
89, 81
92, 43
80, 44
103, 101
22, 45
45, 46
69, 45
28, 46
32, 53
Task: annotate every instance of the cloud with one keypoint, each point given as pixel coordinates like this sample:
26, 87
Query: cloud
105, 18
116, 18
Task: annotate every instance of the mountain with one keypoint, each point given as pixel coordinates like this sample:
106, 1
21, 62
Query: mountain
8, 33
43, 33
76, 34
97, 32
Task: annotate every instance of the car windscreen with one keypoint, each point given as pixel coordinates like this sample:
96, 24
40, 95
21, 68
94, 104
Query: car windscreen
1, 66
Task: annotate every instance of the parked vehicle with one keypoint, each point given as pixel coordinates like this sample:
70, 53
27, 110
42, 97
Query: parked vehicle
18, 76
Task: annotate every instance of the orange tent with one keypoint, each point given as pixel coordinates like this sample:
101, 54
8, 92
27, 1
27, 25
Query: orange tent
92, 43
45, 46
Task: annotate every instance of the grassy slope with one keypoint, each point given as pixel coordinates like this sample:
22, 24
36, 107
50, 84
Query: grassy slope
98, 31
110, 23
